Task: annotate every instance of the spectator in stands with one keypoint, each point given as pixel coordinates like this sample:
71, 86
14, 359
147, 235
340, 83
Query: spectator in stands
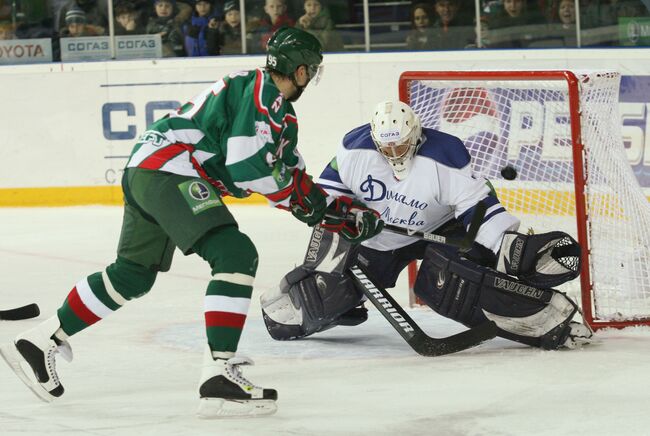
230, 30
422, 35
94, 10
509, 24
184, 10
142, 10
76, 25
127, 20
196, 28
254, 19
6, 31
451, 33
276, 17
5, 10
566, 13
318, 22
562, 26
163, 23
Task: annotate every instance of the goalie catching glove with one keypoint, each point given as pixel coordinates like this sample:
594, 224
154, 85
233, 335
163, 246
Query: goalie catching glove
352, 220
545, 260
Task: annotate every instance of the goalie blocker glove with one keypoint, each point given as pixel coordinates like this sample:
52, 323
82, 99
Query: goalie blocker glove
545, 260
352, 220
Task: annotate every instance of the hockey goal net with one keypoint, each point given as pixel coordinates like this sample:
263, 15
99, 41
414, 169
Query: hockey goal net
561, 133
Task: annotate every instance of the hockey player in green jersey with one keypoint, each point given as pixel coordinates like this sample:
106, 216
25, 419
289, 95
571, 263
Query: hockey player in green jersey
237, 137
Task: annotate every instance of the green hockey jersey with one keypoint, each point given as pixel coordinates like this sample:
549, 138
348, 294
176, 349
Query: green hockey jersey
240, 135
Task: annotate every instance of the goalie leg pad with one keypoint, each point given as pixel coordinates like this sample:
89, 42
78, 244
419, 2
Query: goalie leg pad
308, 302
283, 318
451, 289
471, 294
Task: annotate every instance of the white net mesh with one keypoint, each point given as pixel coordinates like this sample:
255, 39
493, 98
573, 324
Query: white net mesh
526, 125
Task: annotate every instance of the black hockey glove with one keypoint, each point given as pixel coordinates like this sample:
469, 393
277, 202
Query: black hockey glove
308, 200
352, 220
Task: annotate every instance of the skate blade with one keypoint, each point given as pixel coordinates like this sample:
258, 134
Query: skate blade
211, 408
13, 358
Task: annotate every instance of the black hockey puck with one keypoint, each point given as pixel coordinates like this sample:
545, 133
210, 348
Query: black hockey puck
508, 172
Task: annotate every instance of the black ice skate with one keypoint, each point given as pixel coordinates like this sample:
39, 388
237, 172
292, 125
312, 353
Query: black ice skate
225, 392
32, 357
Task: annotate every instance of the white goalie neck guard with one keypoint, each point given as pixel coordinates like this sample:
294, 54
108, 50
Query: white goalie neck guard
396, 132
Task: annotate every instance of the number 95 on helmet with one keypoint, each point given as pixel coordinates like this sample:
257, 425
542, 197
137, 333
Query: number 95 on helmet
290, 48
397, 134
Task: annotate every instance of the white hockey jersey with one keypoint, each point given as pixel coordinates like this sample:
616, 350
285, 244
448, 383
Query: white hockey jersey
439, 187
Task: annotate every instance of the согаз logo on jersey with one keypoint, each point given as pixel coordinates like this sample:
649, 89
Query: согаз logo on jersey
199, 191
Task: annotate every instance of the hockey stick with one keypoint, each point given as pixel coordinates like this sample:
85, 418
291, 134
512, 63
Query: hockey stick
464, 242
461, 242
409, 330
24, 312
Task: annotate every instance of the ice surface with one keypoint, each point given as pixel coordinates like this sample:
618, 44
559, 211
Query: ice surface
136, 373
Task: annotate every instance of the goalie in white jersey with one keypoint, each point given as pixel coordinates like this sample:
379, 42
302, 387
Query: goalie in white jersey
420, 179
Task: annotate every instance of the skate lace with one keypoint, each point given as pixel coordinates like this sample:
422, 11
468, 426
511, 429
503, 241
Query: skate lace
235, 373
51, 365
66, 353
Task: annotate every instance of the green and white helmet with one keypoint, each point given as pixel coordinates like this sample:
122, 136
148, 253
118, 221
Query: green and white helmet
290, 48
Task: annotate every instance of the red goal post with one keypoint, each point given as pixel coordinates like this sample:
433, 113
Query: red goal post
561, 132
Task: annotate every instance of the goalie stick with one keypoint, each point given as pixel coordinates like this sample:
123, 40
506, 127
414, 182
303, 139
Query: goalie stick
464, 242
421, 343
418, 340
325, 254
461, 242
24, 312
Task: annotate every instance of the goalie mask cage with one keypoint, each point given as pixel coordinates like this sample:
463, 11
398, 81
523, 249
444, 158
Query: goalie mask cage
561, 132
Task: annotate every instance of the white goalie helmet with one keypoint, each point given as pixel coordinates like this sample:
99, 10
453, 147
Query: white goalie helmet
396, 132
